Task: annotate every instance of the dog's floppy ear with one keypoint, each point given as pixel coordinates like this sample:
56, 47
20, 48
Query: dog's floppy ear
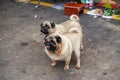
58, 39
41, 24
41, 27
45, 38
52, 24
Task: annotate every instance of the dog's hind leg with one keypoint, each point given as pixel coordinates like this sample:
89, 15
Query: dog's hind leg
77, 53
81, 45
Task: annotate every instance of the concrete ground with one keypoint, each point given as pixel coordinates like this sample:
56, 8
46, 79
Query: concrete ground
22, 55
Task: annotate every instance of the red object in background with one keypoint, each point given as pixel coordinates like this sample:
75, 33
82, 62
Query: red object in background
114, 6
100, 4
73, 8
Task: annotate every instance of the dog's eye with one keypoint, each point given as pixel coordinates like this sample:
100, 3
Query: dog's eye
51, 41
47, 26
45, 39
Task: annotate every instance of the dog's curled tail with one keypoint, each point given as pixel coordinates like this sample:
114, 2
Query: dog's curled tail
75, 30
74, 17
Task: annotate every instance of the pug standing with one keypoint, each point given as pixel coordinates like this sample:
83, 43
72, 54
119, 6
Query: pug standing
61, 47
48, 27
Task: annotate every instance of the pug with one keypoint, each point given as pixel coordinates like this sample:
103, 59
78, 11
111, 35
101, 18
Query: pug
61, 47
48, 27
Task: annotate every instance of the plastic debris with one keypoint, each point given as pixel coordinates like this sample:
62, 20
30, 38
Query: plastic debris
36, 6
35, 16
90, 40
95, 16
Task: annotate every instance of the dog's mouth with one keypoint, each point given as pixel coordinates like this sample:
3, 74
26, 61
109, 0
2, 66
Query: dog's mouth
51, 46
48, 47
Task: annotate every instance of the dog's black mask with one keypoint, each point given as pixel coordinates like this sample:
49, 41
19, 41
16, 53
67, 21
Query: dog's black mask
44, 29
50, 45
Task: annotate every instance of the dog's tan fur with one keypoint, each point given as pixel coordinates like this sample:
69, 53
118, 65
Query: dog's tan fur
71, 41
64, 27
70, 32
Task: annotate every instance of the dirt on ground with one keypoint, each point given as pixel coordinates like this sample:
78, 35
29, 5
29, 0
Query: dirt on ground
22, 55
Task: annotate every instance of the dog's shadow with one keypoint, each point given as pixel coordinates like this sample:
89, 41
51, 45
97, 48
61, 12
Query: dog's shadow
61, 64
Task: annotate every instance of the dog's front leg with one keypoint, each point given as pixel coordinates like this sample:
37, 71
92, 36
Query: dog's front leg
67, 62
53, 62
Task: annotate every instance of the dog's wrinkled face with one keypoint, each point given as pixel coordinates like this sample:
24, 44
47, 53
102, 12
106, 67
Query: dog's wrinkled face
51, 42
47, 27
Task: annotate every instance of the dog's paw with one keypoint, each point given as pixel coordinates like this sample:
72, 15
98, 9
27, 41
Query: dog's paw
77, 66
66, 67
53, 64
